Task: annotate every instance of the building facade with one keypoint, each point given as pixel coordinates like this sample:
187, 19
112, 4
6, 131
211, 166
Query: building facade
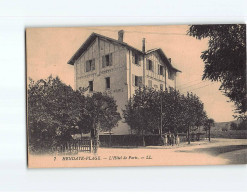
107, 65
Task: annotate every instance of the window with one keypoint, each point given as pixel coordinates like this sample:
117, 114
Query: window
135, 58
161, 87
107, 60
150, 83
161, 70
149, 65
137, 81
108, 82
90, 85
90, 65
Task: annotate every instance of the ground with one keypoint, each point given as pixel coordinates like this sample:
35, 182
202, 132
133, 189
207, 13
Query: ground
217, 152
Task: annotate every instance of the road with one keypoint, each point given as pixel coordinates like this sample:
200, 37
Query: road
216, 152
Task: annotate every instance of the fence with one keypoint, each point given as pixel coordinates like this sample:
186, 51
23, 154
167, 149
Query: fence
136, 140
76, 146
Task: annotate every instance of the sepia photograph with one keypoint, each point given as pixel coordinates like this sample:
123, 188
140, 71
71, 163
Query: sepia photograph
114, 96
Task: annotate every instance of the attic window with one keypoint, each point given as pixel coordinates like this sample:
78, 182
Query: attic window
107, 60
90, 65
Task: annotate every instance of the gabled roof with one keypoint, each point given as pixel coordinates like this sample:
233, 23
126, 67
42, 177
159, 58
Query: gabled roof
163, 57
92, 38
88, 42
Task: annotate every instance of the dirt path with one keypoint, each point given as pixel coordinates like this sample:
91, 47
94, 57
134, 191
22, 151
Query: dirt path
217, 152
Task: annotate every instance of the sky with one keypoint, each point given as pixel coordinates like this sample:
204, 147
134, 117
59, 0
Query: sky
49, 50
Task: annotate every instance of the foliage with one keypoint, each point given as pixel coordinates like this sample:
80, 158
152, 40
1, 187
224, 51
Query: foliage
208, 123
233, 126
179, 112
51, 115
242, 125
56, 112
102, 112
139, 112
224, 129
225, 60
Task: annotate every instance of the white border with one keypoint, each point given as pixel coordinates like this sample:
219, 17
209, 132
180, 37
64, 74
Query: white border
15, 16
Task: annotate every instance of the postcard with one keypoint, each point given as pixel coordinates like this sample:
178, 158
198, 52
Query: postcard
136, 96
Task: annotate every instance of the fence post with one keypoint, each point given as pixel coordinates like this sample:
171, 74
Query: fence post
91, 145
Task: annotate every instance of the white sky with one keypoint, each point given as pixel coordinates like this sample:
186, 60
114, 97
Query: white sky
49, 49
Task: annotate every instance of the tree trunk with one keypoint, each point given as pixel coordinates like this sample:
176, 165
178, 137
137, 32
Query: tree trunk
209, 134
96, 139
81, 135
189, 135
143, 138
110, 140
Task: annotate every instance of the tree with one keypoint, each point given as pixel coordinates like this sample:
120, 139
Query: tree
53, 113
233, 126
242, 125
193, 113
207, 126
225, 60
179, 113
56, 112
142, 112
102, 114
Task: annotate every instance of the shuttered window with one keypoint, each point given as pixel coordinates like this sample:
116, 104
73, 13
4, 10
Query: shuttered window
135, 58
150, 84
149, 65
90, 65
107, 60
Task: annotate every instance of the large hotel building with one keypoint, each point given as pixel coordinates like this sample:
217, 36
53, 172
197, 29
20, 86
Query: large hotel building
107, 65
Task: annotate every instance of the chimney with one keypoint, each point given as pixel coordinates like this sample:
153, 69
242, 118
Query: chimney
120, 35
170, 60
143, 44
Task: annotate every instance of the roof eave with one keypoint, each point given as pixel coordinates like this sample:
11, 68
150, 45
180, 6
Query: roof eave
78, 53
161, 51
